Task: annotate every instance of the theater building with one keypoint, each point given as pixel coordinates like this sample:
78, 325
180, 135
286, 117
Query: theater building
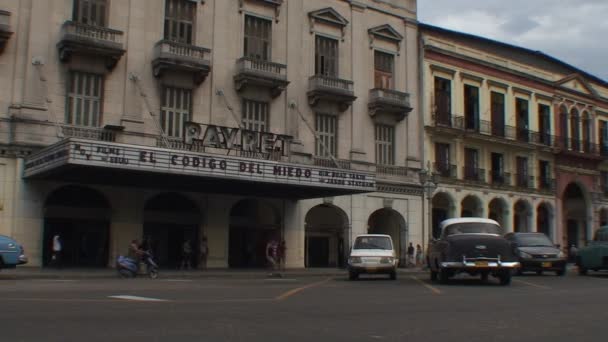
514, 135
238, 120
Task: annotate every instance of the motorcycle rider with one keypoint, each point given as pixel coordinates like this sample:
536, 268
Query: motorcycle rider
135, 253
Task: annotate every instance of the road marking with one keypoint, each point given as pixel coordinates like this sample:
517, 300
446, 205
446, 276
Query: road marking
138, 299
300, 289
280, 279
177, 280
532, 284
428, 286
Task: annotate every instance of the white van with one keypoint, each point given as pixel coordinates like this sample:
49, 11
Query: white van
372, 253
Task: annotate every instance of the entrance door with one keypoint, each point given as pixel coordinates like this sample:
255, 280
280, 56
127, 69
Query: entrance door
84, 242
247, 246
167, 242
318, 251
439, 215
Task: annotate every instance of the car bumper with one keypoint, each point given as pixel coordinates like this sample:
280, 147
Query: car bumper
22, 260
480, 265
372, 268
543, 264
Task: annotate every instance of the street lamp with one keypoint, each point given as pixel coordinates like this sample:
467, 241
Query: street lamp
429, 184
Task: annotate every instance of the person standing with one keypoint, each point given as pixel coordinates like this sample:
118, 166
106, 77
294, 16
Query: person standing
186, 255
410, 255
272, 253
56, 251
282, 249
204, 250
418, 255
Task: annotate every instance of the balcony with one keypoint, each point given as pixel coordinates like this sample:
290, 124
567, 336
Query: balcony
328, 162
388, 101
5, 28
581, 148
392, 170
172, 56
91, 41
524, 181
500, 178
257, 73
474, 174
88, 133
445, 171
546, 184
330, 89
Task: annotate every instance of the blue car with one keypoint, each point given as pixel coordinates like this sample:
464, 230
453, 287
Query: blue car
11, 253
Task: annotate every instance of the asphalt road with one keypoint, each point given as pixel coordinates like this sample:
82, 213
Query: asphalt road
533, 308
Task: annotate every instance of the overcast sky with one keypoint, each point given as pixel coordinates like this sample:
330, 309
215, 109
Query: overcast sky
574, 31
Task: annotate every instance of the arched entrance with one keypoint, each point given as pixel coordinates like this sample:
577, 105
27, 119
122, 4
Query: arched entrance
443, 208
81, 217
575, 214
326, 243
253, 223
544, 220
498, 211
170, 221
390, 222
471, 207
522, 215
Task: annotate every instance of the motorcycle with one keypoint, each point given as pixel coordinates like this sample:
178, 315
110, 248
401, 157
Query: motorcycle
128, 268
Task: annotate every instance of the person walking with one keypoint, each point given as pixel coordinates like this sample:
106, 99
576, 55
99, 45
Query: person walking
186, 255
204, 250
418, 255
410, 255
56, 251
282, 249
272, 253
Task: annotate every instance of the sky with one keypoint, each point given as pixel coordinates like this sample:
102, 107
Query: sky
574, 31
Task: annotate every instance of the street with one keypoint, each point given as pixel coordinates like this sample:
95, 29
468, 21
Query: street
533, 308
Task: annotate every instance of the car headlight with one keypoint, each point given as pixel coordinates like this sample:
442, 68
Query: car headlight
355, 260
561, 254
387, 260
525, 255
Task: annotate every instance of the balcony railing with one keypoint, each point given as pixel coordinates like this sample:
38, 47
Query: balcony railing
524, 181
89, 133
445, 170
260, 73
328, 162
333, 89
392, 170
102, 35
176, 56
95, 41
389, 101
500, 178
474, 174
5, 28
546, 184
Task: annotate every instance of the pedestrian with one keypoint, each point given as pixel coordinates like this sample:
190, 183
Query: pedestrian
418, 255
272, 253
572, 253
410, 255
186, 255
282, 249
56, 251
204, 252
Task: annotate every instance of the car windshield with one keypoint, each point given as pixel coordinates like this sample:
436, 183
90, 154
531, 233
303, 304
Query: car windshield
602, 235
472, 228
533, 240
373, 242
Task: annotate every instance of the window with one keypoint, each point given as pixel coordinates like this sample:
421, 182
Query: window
498, 169
383, 73
442, 159
84, 100
471, 164
544, 124
604, 137
471, 107
326, 57
443, 101
522, 122
574, 131
90, 12
604, 181
522, 171
587, 146
498, 113
385, 145
326, 127
544, 174
179, 20
257, 41
255, 115
176, 109
563, 120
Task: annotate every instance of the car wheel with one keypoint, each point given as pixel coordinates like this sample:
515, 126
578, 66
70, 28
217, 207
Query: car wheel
484, 276
444, 276
505, 278
153, 273
353, 275
393, 275
433, 275
561, 272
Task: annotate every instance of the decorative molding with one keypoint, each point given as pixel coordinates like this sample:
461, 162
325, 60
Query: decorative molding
274, 3
522, 91
385, 32
399, 189
328, 16
465, 75
545, 97
498, 84
439, 68
358, 6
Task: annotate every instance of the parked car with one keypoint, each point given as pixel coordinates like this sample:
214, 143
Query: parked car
372, 253
537, 253
595, 255
11, 253
474, 246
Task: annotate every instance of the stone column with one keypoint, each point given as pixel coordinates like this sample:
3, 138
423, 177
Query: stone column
127, 221
507, 221
218, 230
294, 233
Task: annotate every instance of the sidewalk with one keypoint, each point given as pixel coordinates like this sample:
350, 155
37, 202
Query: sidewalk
80, 273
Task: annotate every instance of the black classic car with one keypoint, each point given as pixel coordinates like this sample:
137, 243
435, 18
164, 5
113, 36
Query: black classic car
537, 253
474, 246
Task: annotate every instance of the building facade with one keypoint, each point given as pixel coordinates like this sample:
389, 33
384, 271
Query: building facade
242, 121
514, 135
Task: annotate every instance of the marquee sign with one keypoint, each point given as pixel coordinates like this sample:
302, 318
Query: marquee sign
160, 160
